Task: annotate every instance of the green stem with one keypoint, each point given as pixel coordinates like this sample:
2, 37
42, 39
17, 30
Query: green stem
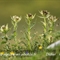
29, 35
29, 29
52, 26
52, 30
45, 32
15, 34
45, 26
15, 30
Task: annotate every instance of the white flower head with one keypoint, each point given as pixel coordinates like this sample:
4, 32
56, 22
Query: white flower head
4, 28
53, 18
44, 13
16, 18
30, 16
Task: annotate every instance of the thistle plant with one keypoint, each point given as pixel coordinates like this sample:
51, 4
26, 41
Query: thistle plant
4, 30
50, 34
6, 38
52, 20
48, 25
15, 21
51, 30
44, 15
29, 18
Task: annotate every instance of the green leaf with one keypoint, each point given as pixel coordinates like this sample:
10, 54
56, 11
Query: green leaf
26, 36
3, 42
12, 23
32, 26
43, 23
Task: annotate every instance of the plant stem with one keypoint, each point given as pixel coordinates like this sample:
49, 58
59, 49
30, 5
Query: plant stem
45, 32
15, 34
45, 26
29, 30
29, 34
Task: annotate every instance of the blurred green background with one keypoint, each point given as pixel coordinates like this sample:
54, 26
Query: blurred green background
9, 8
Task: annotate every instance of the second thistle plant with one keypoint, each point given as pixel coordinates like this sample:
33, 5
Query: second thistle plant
29, 18
45, 15
48, 24
15, 20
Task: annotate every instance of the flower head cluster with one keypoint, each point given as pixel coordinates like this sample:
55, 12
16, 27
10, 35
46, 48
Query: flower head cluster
52, 18
30, 16
4, 28
45, 13
16, 19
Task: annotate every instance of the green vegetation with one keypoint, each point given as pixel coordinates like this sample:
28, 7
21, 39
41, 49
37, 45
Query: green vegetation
30, 46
